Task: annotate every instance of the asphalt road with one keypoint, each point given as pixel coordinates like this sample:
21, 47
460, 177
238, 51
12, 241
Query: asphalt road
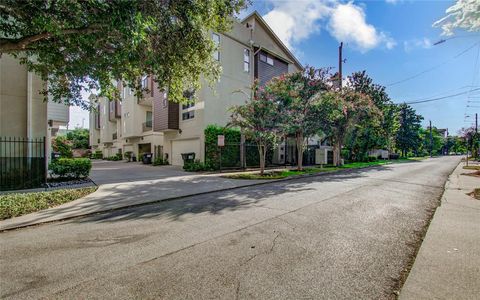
346, 235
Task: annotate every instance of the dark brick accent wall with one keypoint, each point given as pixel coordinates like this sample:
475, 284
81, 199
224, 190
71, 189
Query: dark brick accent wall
264, 71
165, 113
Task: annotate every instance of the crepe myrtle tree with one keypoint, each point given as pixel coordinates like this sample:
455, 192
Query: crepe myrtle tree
298, 95
376, 132
86, 45
344, 108
258, 118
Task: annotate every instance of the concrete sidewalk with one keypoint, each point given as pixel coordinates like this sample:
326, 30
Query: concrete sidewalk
448, 263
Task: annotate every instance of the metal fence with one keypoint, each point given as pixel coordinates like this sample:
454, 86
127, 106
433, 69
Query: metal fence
22, 163
230, 156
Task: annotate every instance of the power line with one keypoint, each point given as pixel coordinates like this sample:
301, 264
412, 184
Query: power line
432, 68
446, 92
441, 98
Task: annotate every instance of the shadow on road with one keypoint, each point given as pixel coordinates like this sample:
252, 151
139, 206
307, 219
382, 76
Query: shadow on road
231, 200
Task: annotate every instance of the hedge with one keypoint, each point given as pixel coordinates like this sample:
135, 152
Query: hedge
230, 153
71, 167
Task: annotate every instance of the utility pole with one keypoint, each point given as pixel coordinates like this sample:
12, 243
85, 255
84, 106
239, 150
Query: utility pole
431, 139
476, 134
476, 123
447, 152
340, 62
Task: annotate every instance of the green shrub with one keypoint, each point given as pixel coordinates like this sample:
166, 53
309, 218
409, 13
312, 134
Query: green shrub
372, 158
115, 157
230, 153
195, 166
97, 154
159, 161
13, 205
128, 155
69, 167
61, 145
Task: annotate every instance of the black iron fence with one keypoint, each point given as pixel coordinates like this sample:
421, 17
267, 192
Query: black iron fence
232, 156
22, 163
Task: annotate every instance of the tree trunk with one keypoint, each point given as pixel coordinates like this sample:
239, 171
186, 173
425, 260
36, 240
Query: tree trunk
261, 153
337, 146
300, 142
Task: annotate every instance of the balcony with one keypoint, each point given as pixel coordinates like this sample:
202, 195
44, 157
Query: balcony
147, 126
145, 101
114, 136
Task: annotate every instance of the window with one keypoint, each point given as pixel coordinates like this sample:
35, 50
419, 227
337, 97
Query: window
246, 60
148, 119
188, 105
188, 115
124, 94
216, 40
270, 60
144, 82
190, 95
266, 58
263, 57
149, 116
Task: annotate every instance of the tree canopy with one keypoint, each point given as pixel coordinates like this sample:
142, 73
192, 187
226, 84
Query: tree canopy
464, 14
408, 133
86, 45
259, 119
299, 98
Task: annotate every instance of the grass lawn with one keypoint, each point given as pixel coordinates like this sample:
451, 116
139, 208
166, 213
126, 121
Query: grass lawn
308, 170
17, 204
472, 168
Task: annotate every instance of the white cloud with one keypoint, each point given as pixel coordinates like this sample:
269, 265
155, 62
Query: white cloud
294, 21
413, 44
348, 23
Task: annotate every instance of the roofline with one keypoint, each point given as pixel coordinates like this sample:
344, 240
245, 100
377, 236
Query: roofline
272, 33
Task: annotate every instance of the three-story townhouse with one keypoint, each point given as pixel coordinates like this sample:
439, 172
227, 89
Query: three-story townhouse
249, 51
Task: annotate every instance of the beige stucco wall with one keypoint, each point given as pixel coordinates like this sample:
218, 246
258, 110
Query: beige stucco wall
23, 113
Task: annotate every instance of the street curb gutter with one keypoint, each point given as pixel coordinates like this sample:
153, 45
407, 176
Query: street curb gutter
190, 195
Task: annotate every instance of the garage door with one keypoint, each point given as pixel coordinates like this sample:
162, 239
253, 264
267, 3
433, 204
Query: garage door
185, 146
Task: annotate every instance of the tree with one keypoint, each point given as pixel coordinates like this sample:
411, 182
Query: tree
408, 134
259, 119
435, 144
472, 140
344, 108
86, 45
79, 138
299, 95
61, 145
464, 14
377, 131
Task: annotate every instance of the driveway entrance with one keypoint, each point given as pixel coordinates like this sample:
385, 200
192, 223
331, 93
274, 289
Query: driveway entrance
119, 171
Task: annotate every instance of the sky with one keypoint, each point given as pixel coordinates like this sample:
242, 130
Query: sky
392, 40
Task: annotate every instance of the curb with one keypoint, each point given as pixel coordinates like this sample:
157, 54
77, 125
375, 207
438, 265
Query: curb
302, 176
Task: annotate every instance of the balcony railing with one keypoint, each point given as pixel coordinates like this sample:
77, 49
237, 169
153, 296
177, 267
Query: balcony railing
114, 136
147, 126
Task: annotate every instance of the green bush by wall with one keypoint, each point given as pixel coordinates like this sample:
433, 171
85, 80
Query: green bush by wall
71, 167
230, 153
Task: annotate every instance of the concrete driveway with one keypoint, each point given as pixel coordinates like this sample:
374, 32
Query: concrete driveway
341, 236
104, 172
